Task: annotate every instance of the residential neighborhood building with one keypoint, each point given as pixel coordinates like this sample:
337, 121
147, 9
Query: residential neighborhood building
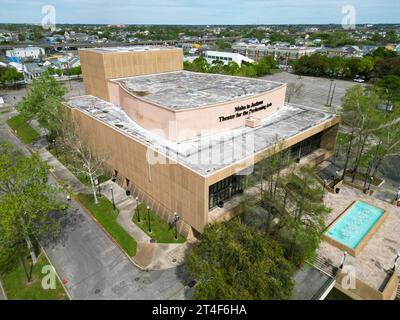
28, 53
226, 57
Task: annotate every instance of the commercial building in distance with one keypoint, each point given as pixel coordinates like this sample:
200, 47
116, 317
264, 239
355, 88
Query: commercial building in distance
182, 141
282, 54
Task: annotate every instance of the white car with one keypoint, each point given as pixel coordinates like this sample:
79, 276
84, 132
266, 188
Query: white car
359, 80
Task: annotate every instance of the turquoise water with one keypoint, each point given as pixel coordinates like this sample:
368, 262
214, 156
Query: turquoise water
355, 224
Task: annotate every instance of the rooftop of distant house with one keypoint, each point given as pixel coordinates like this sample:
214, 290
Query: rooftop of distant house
129, 49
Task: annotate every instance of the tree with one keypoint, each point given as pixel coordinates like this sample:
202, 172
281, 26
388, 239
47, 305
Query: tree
382, 52
373, 130
302, 229
234, 261
222, 45
21, 37
44, 103
86, 160
9, 75
26, 199
389, 87
294, 90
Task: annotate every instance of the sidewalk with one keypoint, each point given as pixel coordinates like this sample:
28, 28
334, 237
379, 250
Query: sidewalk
62, 173
153, 256
2, 293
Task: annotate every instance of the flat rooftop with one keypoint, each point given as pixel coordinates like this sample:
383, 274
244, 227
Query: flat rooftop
207, 154
129, 49
184, 90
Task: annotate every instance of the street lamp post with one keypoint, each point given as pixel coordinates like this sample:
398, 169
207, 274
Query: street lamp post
369, 184
112, 196
323, 190
176, 219
148, 218
395, 262
68, 200
137, 209
343, 260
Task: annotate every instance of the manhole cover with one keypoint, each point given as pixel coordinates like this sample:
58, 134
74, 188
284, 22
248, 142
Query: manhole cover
97, 291
137, 279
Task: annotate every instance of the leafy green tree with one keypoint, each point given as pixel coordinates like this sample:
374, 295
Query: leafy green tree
44, 103
234, 261
222, 45
389, 87
9, 75
26, 199
232, 68
302, 229
75, 71
382, 52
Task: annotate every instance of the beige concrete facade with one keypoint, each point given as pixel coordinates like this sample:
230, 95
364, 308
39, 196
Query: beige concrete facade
177, 125
99, 66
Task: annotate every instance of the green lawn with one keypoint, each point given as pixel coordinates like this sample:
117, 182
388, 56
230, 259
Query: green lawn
161, 232
22, 129
103, 212
17, 288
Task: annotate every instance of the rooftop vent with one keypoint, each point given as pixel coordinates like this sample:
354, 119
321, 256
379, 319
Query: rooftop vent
252, 122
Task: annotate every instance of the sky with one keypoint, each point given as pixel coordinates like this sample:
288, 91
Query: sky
200, 11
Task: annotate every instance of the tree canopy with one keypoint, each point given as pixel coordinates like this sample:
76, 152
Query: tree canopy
26, 199
235, 261
264, 66
43, 103
9, 75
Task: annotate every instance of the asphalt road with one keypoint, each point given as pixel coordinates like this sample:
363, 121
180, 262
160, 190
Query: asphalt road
93, 267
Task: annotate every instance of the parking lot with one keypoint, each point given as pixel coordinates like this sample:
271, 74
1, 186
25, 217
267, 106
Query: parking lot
12, 96
315, 91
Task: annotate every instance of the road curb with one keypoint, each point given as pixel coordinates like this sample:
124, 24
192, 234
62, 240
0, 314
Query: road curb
58, 276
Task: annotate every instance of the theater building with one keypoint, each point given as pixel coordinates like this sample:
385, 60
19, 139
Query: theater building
182, 141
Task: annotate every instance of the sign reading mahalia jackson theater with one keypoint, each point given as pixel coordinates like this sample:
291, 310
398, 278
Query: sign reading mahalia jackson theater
246, 110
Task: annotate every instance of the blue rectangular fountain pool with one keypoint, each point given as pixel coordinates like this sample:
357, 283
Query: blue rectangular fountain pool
355, 224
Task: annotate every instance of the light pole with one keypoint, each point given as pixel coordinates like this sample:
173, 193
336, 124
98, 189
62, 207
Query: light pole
343, 260
329, 94
395, 262
148, 218
323, 190
176, 219
137, 209
68, 200
112, 196
369, 184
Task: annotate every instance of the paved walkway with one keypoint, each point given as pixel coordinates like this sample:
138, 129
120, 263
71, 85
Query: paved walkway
378, 255
151, 256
